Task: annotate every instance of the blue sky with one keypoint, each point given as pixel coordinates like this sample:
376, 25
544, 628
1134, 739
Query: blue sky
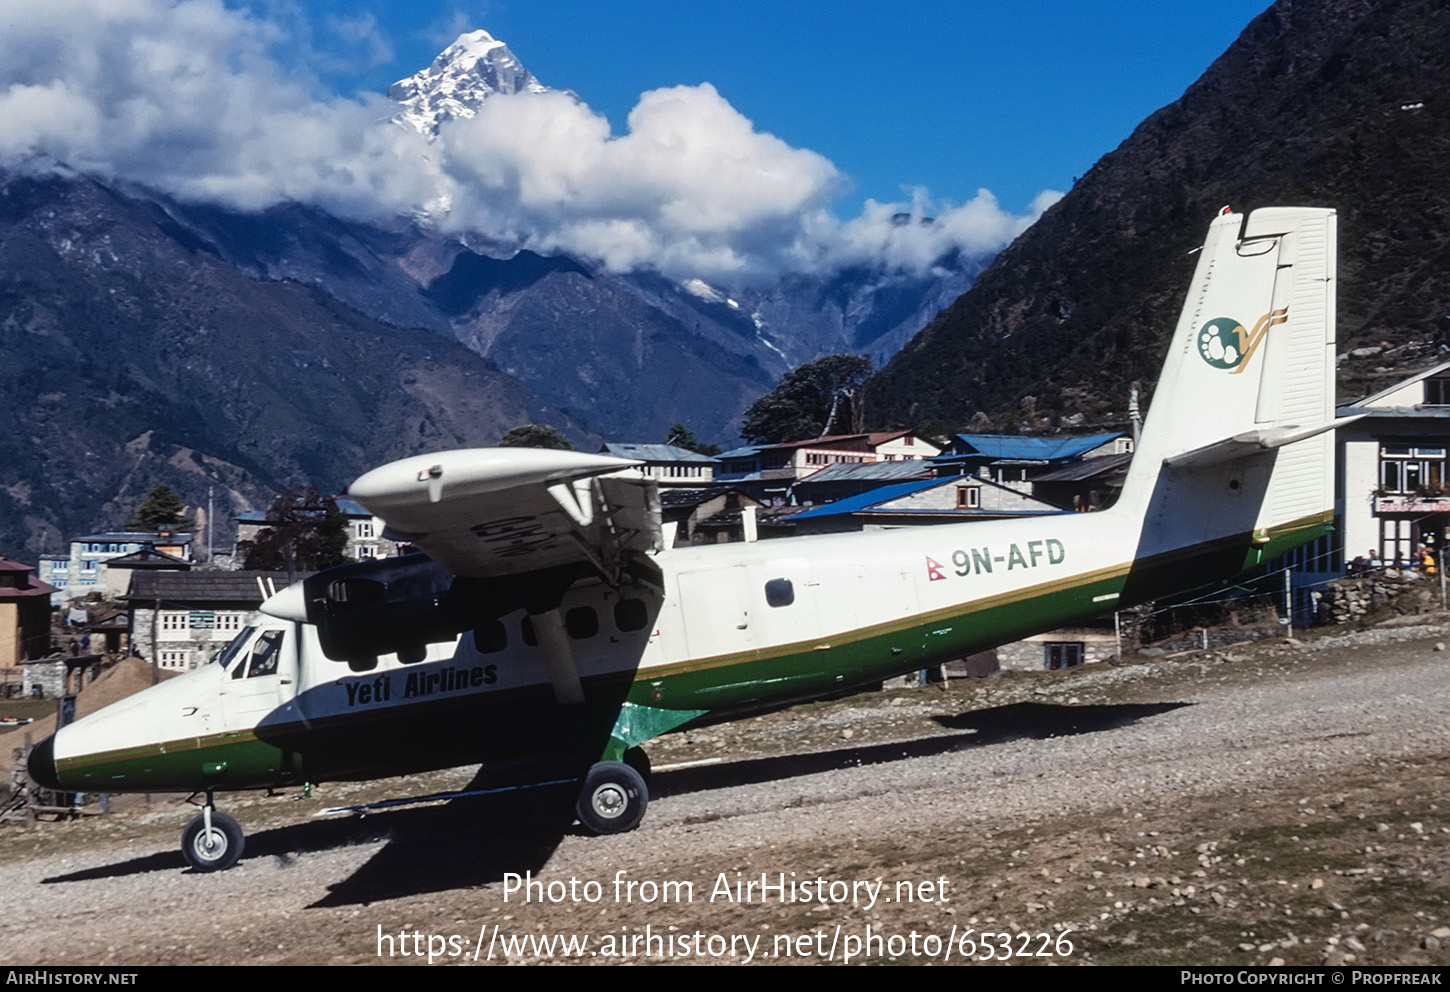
1015, 97
731, 142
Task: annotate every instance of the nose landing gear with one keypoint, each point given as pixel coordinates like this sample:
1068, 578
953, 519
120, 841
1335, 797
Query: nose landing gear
212, 841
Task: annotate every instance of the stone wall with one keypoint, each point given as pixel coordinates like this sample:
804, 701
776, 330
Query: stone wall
1407, 591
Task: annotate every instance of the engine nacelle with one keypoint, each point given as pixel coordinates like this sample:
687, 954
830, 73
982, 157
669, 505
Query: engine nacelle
393, 605
401, 605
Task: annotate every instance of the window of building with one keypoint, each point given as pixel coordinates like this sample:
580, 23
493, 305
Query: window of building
175, 620
363, 528
174, 660
1437, 391
1412, 469
1065, 654
969, 497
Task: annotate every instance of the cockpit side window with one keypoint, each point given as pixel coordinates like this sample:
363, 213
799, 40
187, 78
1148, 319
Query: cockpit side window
262, 660
265, 653
230, 652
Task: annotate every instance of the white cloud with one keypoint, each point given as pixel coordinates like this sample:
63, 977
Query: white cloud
188, 96
692, 183
914, 234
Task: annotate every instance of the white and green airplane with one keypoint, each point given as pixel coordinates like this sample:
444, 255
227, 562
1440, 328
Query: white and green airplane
549, 633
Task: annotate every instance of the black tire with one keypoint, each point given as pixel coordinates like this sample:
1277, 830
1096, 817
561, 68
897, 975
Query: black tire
215, 853
636, 758
613, 799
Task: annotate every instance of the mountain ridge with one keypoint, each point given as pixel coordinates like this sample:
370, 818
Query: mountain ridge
1315, 104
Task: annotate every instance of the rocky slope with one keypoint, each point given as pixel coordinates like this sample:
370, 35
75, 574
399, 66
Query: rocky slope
133, 353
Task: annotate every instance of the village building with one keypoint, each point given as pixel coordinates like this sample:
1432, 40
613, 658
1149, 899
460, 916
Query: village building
115, 577
703, 516
932, 501
844, 480
24, 614
1079, 473
768, 472
1394, 499
667, 464
80, 572
180, 620
365, 540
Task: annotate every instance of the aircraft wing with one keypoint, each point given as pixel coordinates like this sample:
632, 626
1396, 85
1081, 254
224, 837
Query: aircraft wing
487, 512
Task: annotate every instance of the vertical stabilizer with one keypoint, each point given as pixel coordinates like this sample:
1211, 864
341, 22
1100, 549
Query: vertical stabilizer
1239, 438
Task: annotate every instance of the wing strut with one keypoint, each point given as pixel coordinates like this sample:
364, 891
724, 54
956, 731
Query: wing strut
558, 656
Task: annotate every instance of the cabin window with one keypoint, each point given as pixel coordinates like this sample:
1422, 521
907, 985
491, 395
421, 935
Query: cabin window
630, 615
779, 592
581, 622
490, 637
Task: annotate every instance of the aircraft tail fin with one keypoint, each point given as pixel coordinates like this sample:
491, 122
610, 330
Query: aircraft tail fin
1240, 435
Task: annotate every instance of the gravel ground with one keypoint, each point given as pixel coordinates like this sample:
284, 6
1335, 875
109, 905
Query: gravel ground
1277, 802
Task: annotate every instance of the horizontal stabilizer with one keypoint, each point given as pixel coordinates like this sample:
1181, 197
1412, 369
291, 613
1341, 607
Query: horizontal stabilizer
1253, 442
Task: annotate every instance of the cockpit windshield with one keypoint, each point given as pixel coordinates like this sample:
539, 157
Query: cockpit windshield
230, 652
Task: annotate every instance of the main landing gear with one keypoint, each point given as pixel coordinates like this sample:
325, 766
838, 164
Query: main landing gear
212, 841
615, 794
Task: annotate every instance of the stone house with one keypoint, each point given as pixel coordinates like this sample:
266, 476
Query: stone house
180, 620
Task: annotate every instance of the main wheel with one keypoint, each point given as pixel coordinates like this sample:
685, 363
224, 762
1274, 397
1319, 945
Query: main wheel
216, 850
613, 799
636, 758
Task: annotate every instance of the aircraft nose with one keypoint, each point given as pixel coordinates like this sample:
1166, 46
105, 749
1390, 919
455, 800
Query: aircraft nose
41, 764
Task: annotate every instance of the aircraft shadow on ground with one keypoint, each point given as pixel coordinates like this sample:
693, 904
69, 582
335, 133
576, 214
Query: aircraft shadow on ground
979, 728
465, 841
476, 840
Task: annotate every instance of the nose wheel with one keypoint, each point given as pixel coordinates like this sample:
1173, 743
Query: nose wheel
212, 841
613, 799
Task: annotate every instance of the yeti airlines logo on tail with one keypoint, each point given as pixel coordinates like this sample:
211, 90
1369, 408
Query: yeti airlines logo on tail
1224, 344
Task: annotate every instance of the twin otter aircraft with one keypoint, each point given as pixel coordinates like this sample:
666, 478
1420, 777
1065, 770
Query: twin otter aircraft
549, 633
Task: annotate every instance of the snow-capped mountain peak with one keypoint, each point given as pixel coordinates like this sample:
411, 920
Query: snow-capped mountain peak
469, 71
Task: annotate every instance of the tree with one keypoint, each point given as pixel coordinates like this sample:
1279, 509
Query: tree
817, 398
535, 436
682, 437
162, 509
304, 532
